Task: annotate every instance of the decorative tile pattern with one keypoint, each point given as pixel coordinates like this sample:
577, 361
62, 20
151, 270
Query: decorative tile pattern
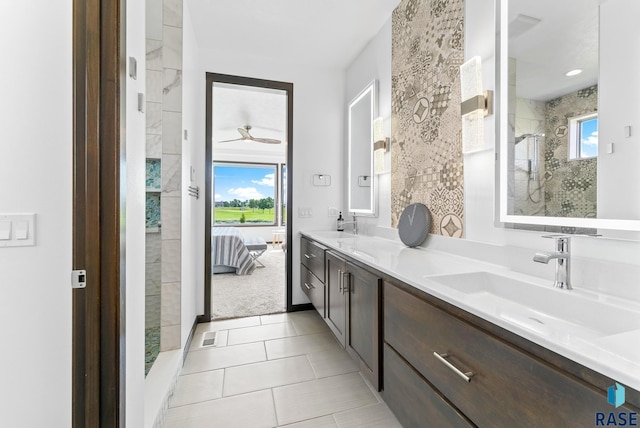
570, 186
427, 162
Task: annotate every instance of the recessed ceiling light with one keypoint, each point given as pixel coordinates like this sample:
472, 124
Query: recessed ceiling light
573, 72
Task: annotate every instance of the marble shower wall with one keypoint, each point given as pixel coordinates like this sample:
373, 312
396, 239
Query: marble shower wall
426, 153
164, 141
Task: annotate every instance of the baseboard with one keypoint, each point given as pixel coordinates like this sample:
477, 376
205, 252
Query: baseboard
301, 307
187, 345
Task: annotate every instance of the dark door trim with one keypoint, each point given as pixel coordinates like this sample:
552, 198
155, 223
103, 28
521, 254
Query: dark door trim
261, 83
98, 206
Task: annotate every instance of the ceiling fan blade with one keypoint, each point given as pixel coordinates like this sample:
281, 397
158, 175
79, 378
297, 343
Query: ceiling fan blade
266, 140
245, 134
228, 141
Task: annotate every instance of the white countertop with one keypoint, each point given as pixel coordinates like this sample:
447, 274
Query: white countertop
614, 353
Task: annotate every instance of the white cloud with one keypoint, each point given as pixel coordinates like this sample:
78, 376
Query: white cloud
591, 140
217, 196
245, 193
267, 180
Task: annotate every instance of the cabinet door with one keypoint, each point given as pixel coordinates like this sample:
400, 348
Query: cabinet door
336, 310
363, 320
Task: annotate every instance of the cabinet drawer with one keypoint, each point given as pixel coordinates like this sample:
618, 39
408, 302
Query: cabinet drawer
508, 387
312, 256
412, 400
313, 288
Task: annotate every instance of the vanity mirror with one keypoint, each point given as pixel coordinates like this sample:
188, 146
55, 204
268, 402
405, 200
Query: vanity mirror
361, 179
569, 145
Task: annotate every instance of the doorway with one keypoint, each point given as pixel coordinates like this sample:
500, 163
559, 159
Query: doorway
248, 156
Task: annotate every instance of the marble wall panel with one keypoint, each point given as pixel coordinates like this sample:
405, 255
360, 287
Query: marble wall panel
171, 132
172, 47
170, 260
153, 86
171, 175
154, 54
171, 215
170, 306
172, 90
154, 146
153, 119
172, 13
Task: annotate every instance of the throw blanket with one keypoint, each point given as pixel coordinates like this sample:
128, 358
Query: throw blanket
228, 249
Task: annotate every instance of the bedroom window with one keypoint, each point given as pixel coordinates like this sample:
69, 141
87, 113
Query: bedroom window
245, 194
283, 195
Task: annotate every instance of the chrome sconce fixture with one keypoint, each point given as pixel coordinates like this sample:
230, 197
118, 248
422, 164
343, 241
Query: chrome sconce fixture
476, 104
381, 145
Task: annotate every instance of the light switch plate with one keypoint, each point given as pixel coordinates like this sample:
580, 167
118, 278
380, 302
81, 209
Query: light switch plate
23, 228
5, 230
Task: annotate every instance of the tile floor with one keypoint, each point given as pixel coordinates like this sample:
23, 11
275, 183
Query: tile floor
283, 370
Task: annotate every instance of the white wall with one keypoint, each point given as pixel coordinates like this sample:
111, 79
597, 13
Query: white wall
618, 173
318, 137
135, 217
35, 176
374, 62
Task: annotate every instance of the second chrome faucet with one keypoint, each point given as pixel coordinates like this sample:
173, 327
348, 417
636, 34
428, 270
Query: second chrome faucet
563, 260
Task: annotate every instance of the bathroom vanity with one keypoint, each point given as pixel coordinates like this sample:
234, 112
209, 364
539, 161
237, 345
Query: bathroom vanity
452, 341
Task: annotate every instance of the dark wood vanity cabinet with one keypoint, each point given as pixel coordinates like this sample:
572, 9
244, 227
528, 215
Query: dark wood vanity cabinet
506, 387
312, 271
336, 309
440, 366
353, 312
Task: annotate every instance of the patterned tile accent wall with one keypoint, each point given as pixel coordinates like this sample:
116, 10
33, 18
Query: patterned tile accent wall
570, 186
426, 157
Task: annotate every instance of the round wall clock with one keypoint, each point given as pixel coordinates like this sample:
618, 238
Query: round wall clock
414, 224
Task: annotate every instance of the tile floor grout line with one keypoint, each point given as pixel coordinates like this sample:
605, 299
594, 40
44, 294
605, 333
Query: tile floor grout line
275, 409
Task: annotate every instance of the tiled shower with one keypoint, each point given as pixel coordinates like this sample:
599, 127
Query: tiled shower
164, 170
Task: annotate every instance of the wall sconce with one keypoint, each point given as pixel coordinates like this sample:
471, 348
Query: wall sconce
476, 104
380, 146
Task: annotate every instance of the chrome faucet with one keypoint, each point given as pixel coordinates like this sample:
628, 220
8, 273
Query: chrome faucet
355, 224
563, 260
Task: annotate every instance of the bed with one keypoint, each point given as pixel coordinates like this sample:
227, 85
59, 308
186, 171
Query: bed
229, 252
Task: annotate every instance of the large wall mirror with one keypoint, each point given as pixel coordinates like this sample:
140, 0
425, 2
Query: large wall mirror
568, 125
361, 179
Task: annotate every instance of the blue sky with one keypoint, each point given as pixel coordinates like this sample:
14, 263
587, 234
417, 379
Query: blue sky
589, 143
243, 183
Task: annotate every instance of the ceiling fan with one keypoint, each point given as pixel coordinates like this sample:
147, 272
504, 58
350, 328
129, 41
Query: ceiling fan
244, 132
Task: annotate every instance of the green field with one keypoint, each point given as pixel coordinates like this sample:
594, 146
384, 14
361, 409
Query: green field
230, 215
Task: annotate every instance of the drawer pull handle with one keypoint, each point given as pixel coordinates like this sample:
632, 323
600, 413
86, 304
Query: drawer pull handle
309, 287
345, 288
340, 280
307, 256
466, 376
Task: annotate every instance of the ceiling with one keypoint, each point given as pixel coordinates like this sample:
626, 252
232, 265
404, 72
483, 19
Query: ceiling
565, 38
327, 33
236, 106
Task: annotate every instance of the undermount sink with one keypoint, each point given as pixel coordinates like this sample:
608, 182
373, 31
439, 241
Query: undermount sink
544, 309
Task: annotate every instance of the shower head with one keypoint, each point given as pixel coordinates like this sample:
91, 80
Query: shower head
525, 136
